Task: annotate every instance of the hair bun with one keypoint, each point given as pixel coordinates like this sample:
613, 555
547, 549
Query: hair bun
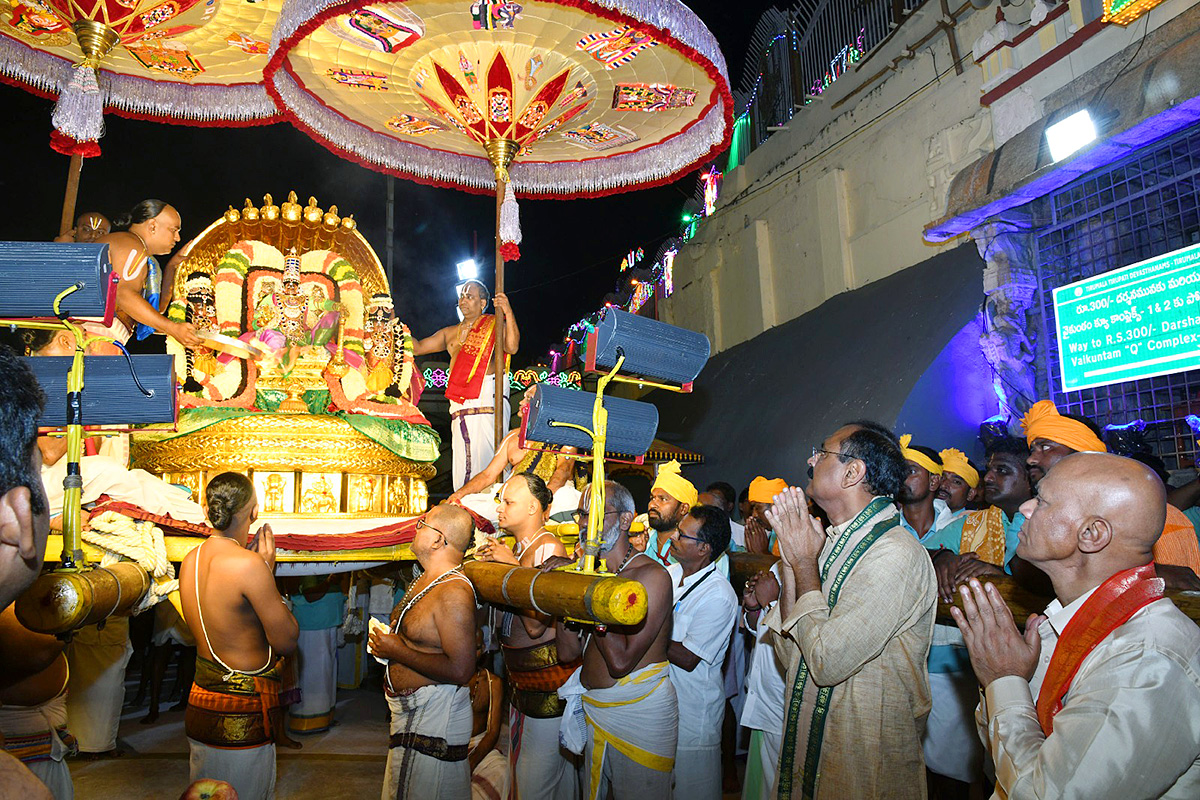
121, 222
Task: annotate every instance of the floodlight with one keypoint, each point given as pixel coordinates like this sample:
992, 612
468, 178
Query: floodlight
652, 349
32, 274
1069, 135
631, 424
111, 393
467, 270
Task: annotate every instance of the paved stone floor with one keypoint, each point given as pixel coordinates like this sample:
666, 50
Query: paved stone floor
344, 762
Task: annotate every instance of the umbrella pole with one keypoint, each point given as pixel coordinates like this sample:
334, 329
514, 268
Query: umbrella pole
498, 350
72, 194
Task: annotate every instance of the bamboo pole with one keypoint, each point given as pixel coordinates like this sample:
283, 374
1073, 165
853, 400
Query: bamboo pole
62, 601
71, 195
605, 599
59, 602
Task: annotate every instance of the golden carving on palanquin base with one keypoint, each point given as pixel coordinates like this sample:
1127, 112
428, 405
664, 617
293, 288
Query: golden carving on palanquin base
303, 464
276, 442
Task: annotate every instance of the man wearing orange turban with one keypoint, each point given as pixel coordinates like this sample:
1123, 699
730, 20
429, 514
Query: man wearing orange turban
759, 498
1053, 436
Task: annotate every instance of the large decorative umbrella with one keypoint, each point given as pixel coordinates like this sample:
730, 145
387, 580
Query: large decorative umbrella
537, 98
197, 62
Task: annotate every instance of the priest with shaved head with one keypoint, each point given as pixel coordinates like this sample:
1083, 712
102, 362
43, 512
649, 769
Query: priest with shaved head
1100, 698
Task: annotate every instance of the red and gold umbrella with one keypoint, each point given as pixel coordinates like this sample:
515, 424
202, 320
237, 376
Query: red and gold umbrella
536, 98
196, 62
189, 61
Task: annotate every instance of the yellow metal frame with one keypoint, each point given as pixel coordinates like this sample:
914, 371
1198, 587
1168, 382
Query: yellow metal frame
599, 435
72, 558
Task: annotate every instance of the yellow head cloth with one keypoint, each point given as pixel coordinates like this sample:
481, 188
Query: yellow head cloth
763, 490
956, 461
674, 484
1043, 421
917, 457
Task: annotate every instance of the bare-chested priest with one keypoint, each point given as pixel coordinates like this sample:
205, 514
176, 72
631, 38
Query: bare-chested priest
472, 398
541, 770
149, 229
430, 649
621, 707
242, 628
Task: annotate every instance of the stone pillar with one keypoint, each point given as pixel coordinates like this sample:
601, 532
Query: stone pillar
1011, 314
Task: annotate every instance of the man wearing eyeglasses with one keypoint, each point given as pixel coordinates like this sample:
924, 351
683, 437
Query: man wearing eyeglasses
430, 649
621, 713
704, 614
853, 626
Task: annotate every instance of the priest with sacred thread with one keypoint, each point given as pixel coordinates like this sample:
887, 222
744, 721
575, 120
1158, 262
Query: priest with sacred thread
472, 399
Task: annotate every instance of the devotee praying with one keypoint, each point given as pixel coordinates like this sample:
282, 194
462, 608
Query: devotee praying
430, 650
853, 625
472, 397
622, 713
541, 769
24, 522
760, 538
1053, 436
89, 227
703, 617
1100, 697
149, 229
242, 628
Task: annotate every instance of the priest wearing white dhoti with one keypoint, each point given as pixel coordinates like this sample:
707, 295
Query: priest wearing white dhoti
705, 611
471, 385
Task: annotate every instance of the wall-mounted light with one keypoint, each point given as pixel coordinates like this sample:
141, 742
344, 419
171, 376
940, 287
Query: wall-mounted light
467, 270
1069, 135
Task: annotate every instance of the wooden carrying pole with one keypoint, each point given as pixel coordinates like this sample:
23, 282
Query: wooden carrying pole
605, 599
62, 601
71, 195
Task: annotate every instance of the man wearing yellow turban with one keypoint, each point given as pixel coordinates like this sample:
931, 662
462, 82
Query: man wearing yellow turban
671, 497
960, 481
921, 512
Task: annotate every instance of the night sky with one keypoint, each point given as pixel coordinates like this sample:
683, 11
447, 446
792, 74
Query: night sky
569, 257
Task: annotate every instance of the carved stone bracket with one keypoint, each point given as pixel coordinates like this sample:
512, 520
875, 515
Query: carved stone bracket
1010, 316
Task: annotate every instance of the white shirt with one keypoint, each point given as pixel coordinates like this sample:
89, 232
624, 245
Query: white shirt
702, 623
765, 687
1129, 725
737, 535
